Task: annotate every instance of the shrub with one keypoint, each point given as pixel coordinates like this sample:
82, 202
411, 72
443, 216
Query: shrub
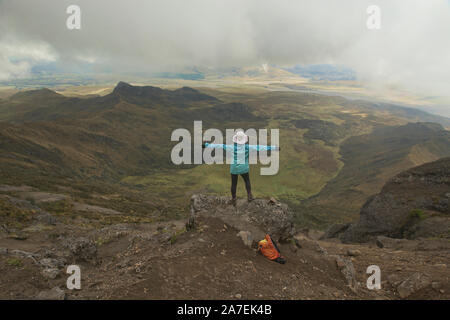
417, 214
14, 262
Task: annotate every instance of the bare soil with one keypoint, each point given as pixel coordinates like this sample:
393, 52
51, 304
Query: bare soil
164, 261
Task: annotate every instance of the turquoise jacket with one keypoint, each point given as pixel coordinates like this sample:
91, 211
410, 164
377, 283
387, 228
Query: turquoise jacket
240, 163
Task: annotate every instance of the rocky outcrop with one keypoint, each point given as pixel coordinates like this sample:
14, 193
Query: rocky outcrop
38, 214
413, 204
348, 270
334, 230
255, 219
81, 249
430, 227
55, 293
414, 283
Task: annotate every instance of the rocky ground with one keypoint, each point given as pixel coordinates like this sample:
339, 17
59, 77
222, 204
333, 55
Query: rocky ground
213, 256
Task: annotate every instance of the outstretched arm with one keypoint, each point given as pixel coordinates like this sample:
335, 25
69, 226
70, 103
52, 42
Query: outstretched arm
264, 148
213, 145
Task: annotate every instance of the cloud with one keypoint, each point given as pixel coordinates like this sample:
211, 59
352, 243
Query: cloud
17, 58
10, 70
411, 50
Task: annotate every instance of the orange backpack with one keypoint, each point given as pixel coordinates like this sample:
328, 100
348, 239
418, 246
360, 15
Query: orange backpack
268, 248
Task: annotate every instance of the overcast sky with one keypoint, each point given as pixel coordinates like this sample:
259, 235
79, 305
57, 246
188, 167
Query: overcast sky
411, 50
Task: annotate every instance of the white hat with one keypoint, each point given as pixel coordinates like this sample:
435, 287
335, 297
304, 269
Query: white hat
240, 137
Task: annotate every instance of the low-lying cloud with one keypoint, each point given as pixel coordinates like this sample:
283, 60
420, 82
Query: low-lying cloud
411, 50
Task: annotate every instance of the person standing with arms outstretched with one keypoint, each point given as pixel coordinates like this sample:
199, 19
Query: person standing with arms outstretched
240, 164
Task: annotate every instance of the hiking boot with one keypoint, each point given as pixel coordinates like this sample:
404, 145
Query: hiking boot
233, 202
250, 197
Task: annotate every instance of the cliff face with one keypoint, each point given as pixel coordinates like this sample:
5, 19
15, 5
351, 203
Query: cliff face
413, 204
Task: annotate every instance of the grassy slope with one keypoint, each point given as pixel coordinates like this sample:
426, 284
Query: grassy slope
369, 161
121, 144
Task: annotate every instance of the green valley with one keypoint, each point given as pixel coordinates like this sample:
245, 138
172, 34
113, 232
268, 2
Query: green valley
335, 152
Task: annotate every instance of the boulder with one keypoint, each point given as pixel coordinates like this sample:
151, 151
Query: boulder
50, 273
52, 294
391, 243
51, 263
246, 237
348, 270
258, 217
81, 249
353, 252
414, 283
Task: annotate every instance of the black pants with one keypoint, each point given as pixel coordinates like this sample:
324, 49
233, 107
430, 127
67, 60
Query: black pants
234, 181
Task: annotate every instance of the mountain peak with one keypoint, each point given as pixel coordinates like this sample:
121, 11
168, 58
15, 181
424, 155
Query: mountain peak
186, 89
43, 93
122, 84
150, 93
124, 88
191, 94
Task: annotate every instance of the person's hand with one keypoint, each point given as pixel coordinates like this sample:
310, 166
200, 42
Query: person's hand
203, 145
